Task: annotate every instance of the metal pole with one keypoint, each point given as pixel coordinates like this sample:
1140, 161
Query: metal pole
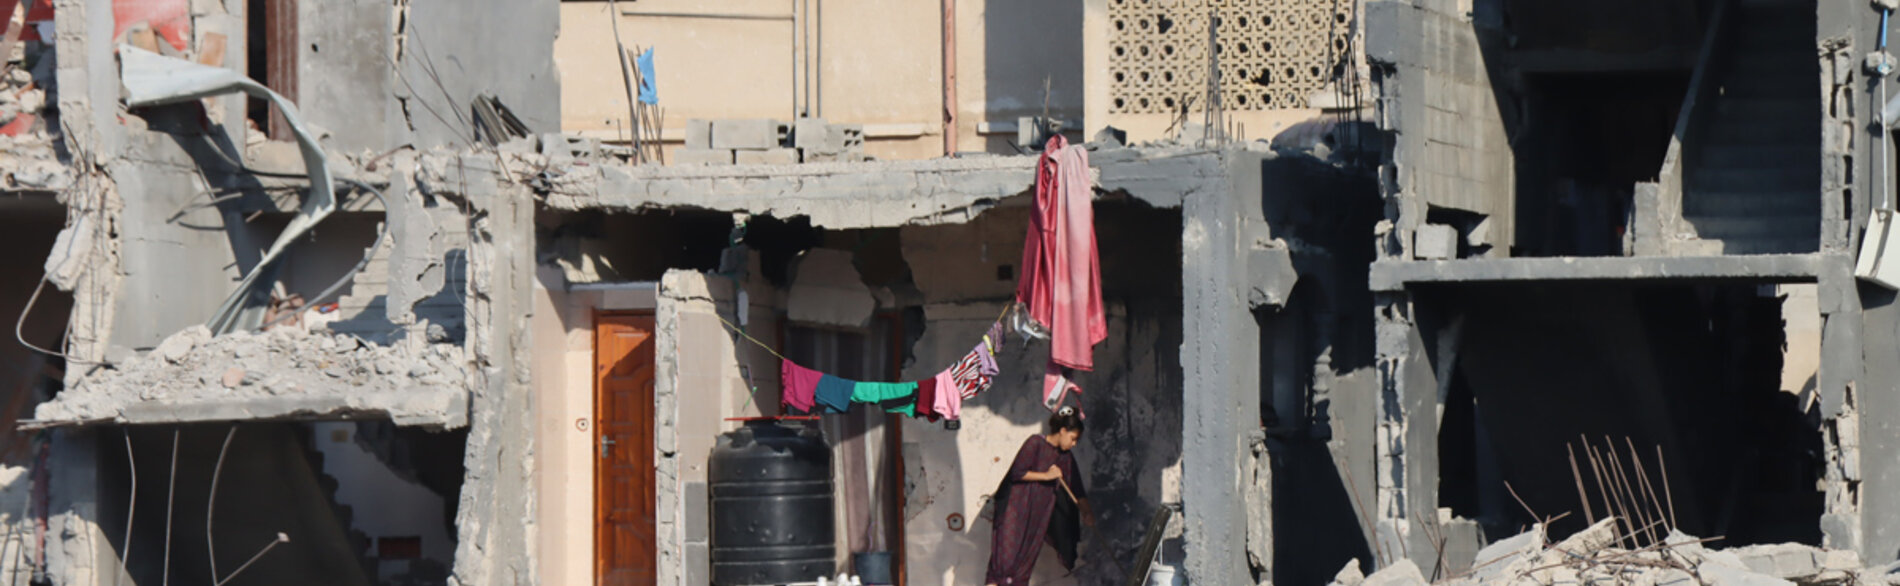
626, 80
949, 77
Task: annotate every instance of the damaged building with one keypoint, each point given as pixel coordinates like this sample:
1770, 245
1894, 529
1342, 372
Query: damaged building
420, 292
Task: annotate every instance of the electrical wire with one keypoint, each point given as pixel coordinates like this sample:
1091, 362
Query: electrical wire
20, 325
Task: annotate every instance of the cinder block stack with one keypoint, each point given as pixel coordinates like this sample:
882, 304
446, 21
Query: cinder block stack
762, 141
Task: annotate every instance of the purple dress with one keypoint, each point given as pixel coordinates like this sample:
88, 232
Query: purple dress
1023, 510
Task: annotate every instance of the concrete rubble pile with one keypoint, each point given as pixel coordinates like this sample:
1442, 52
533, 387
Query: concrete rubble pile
27, 157
1595, 556
192, 366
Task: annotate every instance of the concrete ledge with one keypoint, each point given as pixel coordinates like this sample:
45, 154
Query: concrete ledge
432, 408
1396, 275
845, 195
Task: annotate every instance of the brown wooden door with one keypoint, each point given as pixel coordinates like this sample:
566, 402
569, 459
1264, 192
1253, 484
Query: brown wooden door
624, 542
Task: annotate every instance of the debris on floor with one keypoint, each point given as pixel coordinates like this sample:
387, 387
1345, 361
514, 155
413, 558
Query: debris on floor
282, 372
1591, 556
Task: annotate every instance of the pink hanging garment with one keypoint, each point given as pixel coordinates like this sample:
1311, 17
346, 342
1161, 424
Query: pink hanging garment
798, 385
948, 402
1062, 275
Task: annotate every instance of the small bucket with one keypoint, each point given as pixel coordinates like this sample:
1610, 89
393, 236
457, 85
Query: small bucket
872, 567
1163, 575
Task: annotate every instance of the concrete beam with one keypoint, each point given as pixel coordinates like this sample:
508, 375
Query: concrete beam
433, 408
1390, 275
868, 194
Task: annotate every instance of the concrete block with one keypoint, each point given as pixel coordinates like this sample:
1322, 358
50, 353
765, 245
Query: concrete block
1435, 242
561, 145
1270, 276
1785, 560
699, 134
1716, 573
1403, 573
748, 134
698, 514
1480, 234
698, 563
690, 157
812, 135
766, 157
1508, 556
847, 138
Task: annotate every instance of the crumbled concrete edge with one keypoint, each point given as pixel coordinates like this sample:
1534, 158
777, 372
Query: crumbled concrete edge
280, 374
832, 195
1597, 556
495, 514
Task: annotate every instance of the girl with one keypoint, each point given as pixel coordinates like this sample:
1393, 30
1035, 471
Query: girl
1042, 480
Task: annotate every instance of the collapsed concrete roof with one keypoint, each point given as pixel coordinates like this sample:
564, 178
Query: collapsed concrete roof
843, 195
278, 374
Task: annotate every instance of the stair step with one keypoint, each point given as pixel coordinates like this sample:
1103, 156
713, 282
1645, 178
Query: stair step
1734, 155
1715, 204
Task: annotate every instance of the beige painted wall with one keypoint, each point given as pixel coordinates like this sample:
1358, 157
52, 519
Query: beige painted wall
562, 329
875, 63
1801, 353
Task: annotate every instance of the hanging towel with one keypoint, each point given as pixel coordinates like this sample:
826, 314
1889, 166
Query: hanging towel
1061, 274
947, 402
927, 399
834, 394
798, 385
892, 397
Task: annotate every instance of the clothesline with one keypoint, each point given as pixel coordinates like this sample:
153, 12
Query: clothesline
938, 397
768, 348
1060, 289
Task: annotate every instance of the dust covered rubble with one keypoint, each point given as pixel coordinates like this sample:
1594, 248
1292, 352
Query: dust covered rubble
1594, 556
28, 160
279, 366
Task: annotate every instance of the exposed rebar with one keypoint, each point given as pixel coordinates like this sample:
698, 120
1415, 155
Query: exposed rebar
1588, 514
211, 505
1662, 466
170, 491
131, 508
1649, 490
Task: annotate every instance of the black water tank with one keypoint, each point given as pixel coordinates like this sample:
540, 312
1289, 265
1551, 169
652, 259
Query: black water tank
771, 506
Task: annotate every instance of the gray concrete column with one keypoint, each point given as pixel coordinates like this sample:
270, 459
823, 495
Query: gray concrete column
1220, 376
496, 515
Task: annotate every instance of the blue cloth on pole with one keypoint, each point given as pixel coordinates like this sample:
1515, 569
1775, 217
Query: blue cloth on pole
648, 95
